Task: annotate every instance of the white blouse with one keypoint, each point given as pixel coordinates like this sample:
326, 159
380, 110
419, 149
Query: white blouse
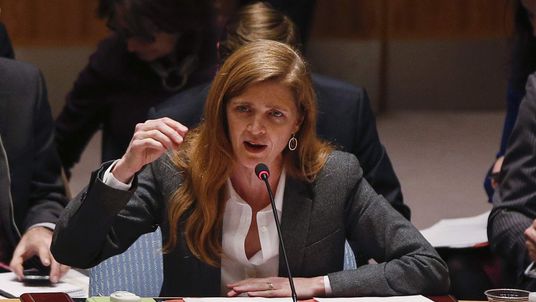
235, 265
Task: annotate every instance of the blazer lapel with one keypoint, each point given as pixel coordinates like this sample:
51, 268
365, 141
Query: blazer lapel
295, 219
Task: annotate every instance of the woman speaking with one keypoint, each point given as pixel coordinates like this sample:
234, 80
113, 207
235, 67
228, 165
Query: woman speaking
220, 237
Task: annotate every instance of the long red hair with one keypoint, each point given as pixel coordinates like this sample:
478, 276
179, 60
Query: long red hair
206, 156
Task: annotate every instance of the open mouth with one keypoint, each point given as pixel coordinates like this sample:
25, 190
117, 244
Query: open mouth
253, 147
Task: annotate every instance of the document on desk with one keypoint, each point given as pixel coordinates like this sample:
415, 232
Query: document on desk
458, 232
357, 299
416, 298
237, 299
74, 283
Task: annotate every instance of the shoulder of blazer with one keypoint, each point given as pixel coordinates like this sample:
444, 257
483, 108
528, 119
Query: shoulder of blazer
340, 164
16, 74
193, 97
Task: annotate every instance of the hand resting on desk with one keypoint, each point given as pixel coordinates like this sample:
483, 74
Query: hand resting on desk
36, 242
278, 287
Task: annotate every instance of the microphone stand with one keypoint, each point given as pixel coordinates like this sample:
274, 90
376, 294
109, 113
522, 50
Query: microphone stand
264, 178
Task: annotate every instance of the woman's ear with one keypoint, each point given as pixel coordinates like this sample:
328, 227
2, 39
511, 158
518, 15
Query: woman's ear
299, 122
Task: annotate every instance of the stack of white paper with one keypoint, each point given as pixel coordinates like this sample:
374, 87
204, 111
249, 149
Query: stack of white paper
458, 232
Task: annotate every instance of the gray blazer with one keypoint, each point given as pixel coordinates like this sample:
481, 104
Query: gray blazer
514, 202
316, 219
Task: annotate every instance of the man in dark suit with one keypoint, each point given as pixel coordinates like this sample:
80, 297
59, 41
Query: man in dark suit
512, 222
32, 193
344, 118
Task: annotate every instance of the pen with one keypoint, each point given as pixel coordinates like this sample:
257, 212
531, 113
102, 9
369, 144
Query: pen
6, 294
5, 266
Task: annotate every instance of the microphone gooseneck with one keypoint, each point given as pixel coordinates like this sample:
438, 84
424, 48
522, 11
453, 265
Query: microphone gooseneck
262, 172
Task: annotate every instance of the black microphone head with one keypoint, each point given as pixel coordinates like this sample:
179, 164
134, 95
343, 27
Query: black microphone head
262, 172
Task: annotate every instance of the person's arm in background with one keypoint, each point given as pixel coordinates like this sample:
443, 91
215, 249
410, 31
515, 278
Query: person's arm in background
515, 198
377, 167
87, 103
47, 198
513, 99
79, 119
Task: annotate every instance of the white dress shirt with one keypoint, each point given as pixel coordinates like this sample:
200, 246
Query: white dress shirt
235, 265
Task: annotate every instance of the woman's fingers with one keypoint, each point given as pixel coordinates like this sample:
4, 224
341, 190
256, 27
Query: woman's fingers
169, 132
154, 135
151, 139
278, 287
142, 146
530, 240
178, 127
530, 233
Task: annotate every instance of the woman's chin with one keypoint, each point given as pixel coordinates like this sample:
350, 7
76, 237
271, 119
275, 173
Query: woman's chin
251, 160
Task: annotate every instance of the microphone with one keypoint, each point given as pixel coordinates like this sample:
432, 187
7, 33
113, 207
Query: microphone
262, 172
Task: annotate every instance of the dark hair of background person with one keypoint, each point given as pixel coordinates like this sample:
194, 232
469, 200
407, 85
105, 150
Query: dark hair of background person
117, 75
191, 19
147, 16
6, 48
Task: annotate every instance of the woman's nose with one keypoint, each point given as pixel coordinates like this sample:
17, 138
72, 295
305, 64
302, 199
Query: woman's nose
256, 126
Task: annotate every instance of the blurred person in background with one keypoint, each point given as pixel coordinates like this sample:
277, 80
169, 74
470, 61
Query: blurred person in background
157, 48
32, 193
523, 63
507, 184
512, 222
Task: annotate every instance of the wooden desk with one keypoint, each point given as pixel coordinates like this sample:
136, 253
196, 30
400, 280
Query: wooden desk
434, 298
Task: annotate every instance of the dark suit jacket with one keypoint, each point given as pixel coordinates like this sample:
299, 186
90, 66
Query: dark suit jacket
34, 192
344, 118
316, 220
514, 202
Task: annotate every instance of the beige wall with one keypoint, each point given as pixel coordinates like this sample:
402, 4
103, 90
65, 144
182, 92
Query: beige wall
420, 74
60, 67
416, 54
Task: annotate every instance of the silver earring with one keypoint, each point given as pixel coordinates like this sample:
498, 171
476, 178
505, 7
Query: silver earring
292, 143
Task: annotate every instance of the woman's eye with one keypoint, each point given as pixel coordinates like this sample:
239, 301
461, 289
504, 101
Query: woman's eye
242, 108
276, 113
